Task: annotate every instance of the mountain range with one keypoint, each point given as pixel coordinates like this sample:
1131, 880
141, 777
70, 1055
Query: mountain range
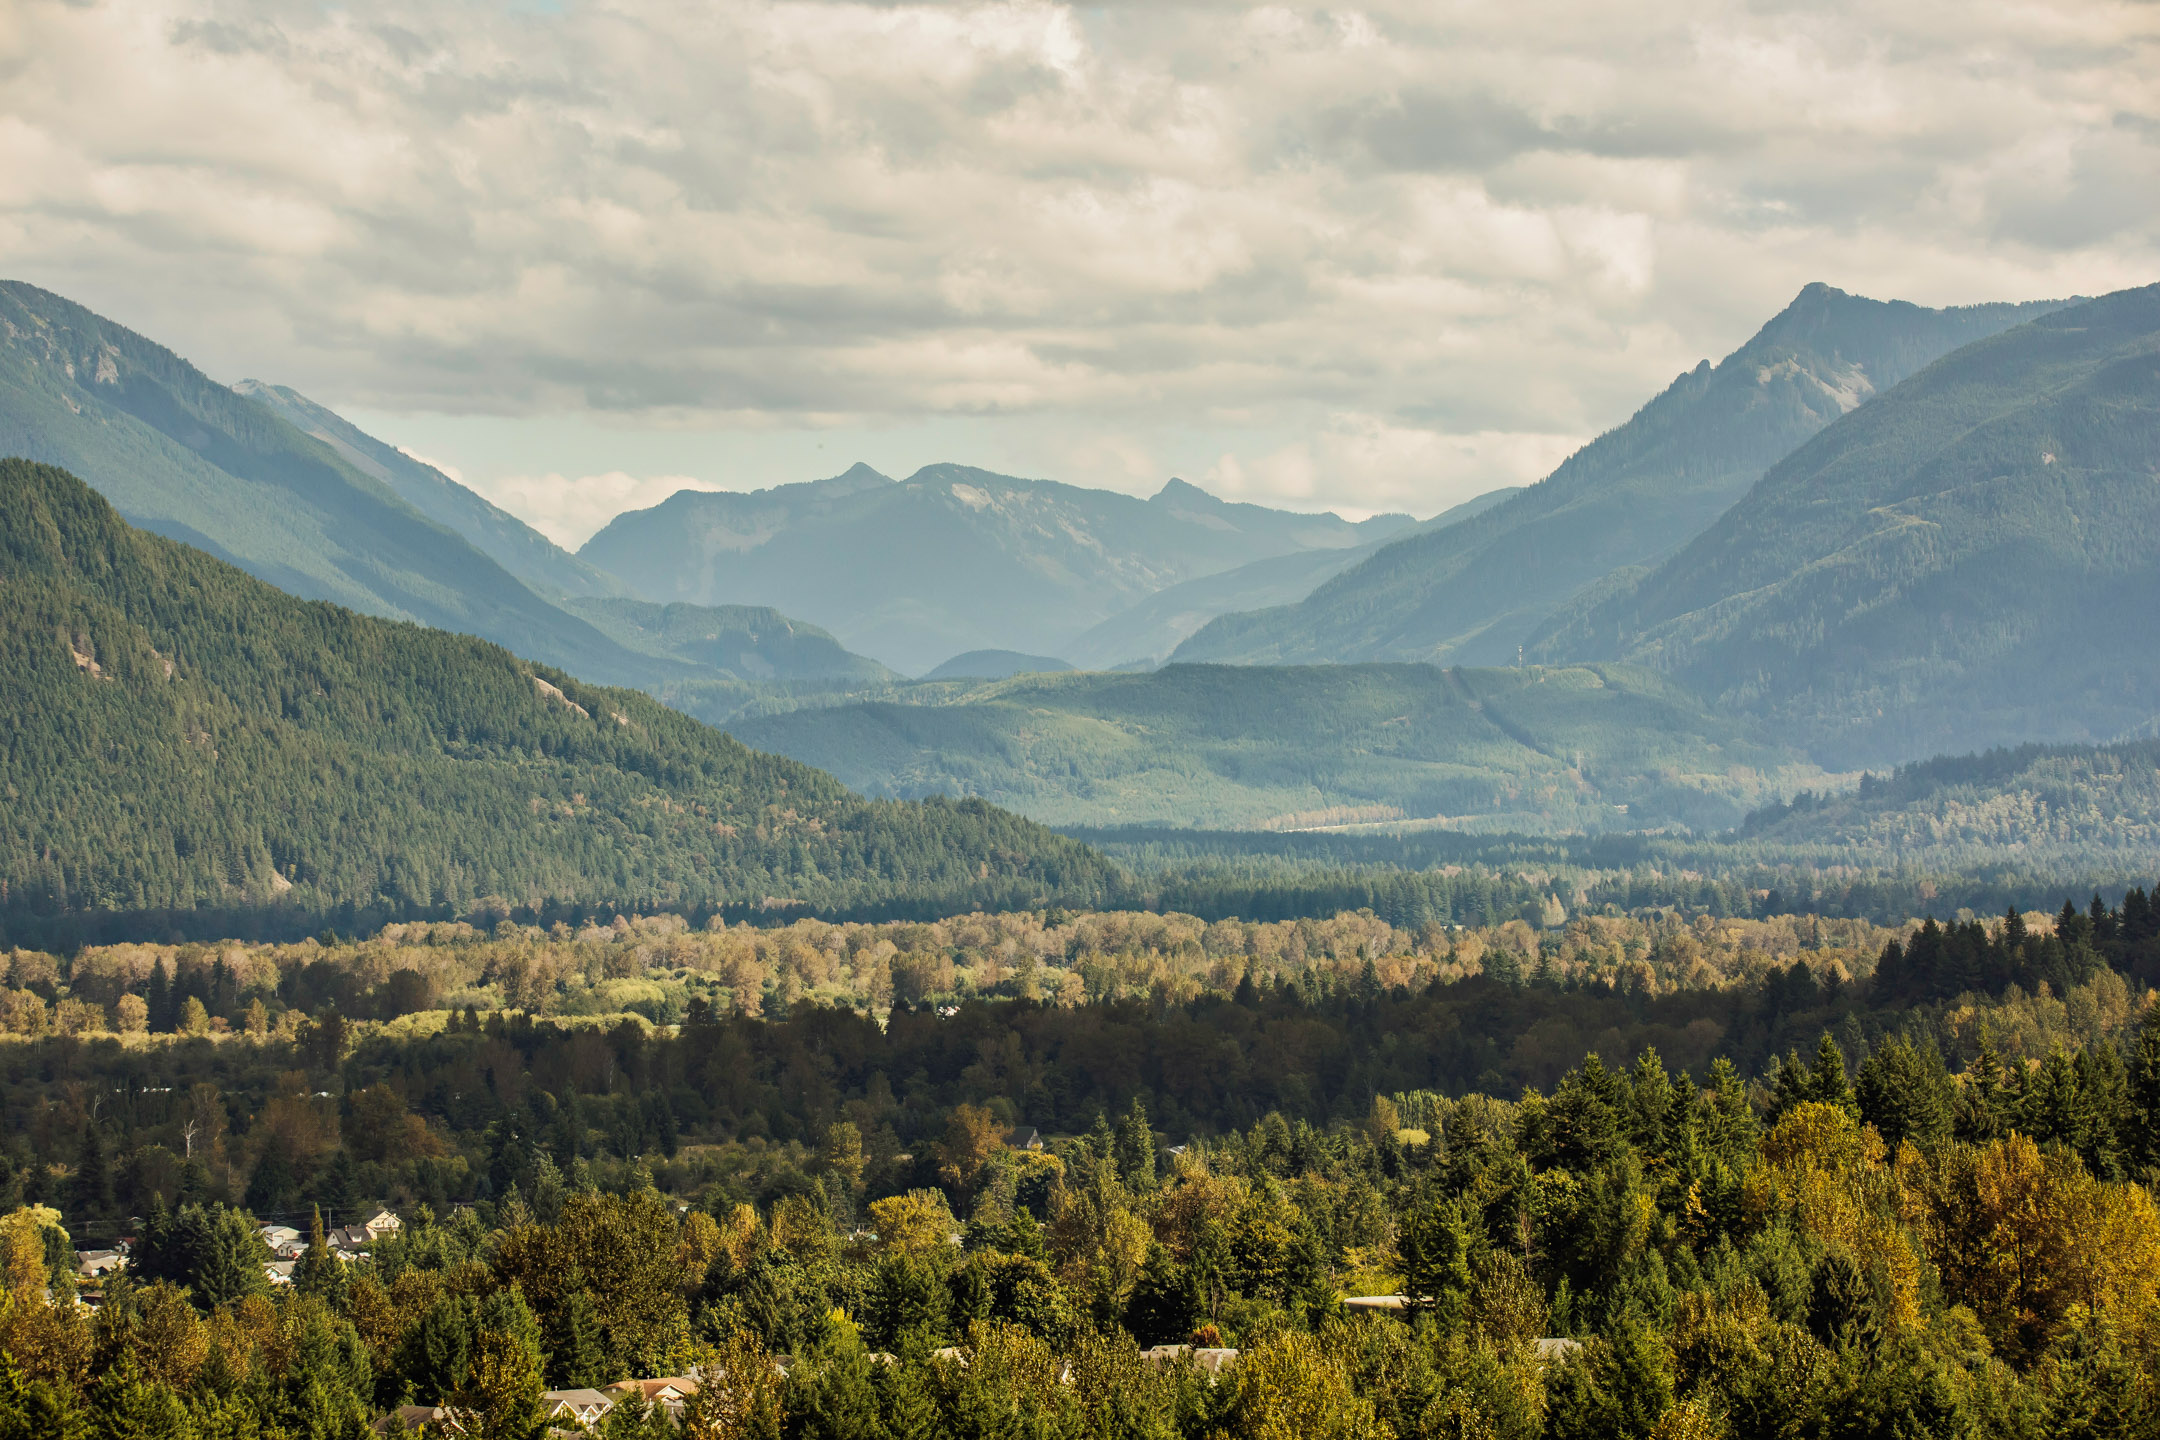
1472, 593
951, 559
1872, 534
1971, 560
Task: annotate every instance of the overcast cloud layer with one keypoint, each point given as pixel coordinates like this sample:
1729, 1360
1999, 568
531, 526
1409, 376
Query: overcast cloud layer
1372, 257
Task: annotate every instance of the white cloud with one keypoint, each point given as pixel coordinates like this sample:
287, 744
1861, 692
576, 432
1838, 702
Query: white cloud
570, 509
1396, 467
1376, 256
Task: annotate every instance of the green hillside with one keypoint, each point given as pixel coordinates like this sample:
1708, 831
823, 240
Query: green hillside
1538, 750
181, 738
182, 455
1473, 592
1971, 560
950, 559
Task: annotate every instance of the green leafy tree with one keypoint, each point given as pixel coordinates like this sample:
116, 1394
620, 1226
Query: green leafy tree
500, 1399
37, 1409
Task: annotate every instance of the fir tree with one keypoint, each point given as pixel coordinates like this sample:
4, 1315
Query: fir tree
838, 1399
274, 1179
2104, 1111
907, 1404
576, 1356
319, 1272
1827, 1083
90, 1188
1791, 1087
1729, 1127
1983, 1108
1904, 1094
1136, 1148
164, 1008
2142, 1108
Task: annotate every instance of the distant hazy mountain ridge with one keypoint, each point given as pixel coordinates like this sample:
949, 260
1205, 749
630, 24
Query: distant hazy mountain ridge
267, 479
1473, 592
951, 559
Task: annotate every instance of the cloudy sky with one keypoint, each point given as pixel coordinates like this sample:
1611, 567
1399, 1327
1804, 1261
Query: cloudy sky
1373, 257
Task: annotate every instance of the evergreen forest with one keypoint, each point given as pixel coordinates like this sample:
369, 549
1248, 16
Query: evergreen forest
1086, 1173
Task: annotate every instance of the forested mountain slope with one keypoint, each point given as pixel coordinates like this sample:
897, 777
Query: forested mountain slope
1237, 747
494, 531
1971, 560
180, 737
2094, 809
1472, 593
952, 558
182, 455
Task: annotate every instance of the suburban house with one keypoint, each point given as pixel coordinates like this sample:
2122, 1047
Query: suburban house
670, 1392
421, 1420
382, 1225
280, 1272
97, 1264
285, 1242
582, 1406
1023, 1137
